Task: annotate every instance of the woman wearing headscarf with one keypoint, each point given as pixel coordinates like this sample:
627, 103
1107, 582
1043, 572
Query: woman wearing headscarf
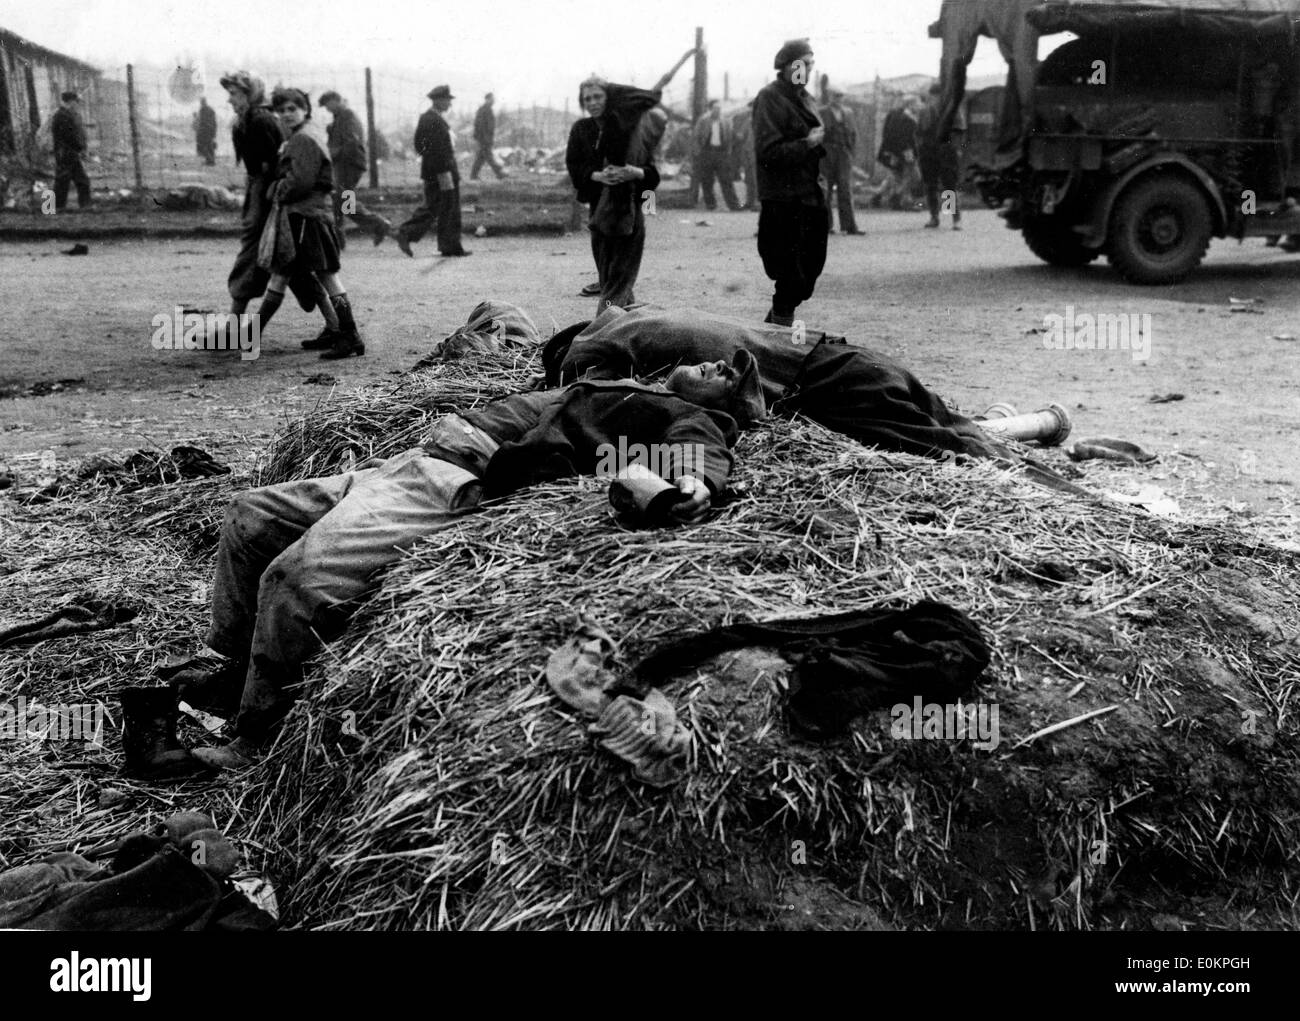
610, 158
303, 211
257, 138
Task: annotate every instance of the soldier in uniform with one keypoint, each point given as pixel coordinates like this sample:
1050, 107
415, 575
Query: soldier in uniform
441, 206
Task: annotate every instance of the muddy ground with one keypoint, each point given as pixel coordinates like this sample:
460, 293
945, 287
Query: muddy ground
959, 308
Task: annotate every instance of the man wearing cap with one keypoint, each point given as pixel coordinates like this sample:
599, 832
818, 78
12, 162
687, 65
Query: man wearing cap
441, 179
837, 168
69, 135
793, 221
347, 145
485, 130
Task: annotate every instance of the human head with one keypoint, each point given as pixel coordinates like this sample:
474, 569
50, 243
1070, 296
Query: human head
715, 108
330, 101
69, 97
292, 106
245, 90
794, 61
836, 97
442, 97
489, 99
592, 94
735, 388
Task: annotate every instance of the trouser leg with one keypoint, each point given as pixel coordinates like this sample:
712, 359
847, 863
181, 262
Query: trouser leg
843, 171
425, 216
258, 526
619, 262
449, 228
478, 165
307, 593
792, 245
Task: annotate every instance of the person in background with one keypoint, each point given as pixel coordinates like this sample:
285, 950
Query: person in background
939, 161
302, 191
438, 171
713, 145
610, 158
898, 155
69, 133
485, 132
347, 142
205, 132
837, 167
793, 222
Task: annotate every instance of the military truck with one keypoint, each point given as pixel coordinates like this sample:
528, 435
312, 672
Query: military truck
1160, 126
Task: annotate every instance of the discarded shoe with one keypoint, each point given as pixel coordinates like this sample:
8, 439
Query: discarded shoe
1109, 450
149, 740
239, 754
578, 671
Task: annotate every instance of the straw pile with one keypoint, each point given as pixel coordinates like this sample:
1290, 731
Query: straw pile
470, 797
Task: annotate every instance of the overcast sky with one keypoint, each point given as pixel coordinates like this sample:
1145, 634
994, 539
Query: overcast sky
525, 51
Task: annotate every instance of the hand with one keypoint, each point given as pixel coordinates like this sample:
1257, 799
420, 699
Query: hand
691, 511
602, 176
815, 137
445, 182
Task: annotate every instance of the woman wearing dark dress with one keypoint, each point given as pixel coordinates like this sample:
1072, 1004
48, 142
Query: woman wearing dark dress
302, 191
610, 158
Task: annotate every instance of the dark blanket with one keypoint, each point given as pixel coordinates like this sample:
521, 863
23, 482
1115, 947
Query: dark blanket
849, 663
166, 892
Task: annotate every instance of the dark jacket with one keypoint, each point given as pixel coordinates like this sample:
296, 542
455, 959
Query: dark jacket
557, 434
842, 133
704, 131
590, 149
485, 126
205, 124
347, 140
898, 135
257, 137
433, 143
788, 168
68, 132
306, 175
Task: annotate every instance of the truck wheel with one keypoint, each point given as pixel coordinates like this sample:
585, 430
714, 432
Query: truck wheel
1159, 230
1052, 240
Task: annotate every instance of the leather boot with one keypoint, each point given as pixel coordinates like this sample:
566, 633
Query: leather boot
149, 740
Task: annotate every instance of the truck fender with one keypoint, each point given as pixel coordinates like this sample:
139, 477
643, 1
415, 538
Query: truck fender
1095, 228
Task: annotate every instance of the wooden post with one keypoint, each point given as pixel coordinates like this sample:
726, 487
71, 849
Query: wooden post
726, 86
700, 97
370, 131
135, 127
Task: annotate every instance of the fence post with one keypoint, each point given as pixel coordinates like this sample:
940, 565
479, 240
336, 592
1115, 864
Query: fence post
135, 127
370, 131
700, 98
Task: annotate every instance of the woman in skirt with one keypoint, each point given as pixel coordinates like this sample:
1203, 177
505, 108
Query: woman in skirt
302, 193
610, 158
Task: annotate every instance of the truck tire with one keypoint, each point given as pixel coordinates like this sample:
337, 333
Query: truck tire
1159, 230
1051, 239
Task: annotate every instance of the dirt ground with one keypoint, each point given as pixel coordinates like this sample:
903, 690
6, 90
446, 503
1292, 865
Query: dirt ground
961, 309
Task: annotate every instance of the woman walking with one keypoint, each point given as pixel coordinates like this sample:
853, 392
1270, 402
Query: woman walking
304, 212
610, 157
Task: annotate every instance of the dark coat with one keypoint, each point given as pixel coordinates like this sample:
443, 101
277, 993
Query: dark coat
841, 134
306, 175
433, 143
594, 143
347, 139
788, 168
557, 434
257, 137
205, 124
69, 133
485, 126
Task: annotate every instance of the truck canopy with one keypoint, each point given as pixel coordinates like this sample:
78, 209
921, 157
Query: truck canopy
1223, 18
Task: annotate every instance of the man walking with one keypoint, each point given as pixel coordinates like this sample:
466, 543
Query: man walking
485, 131
841, 140
713, 143
69, 135
441, 206
347, 144
205, 132
898, 155
793, 221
